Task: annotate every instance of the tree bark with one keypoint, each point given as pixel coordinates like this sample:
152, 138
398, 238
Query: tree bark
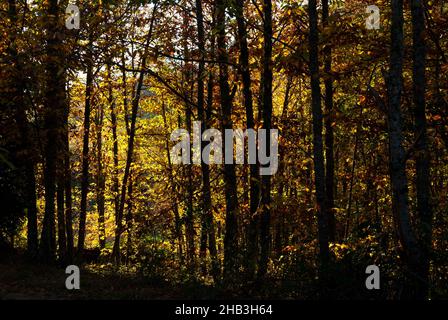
254, 178
85, 150
100, 178
411, 253
113, 119
208, 227
129, 218
189, 216
266, 97
231, 235
68, 191
319, 168
54, 98
329, 134
424, 209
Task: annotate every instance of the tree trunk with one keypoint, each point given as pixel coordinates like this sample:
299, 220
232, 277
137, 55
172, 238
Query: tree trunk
329, 135
411, 254
100, 178
266, 98
254, 179
319, 168
231, 236
68, 191
421, 136
54, 98
189, 216
212, 247
113, 119
207, 215
85, 151
129, 218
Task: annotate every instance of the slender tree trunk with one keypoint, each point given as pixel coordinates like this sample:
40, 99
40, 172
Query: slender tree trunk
206, 204
100, 178
129, 218
231, 234
189, 217
411, 254
113, 119
266, 97
54, 97
422, 155
329, 135
85, 151
212, 246
68, 192
319, 168
208, 232
254, 178
60, 180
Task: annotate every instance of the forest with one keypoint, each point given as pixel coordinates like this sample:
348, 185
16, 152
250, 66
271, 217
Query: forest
116, 157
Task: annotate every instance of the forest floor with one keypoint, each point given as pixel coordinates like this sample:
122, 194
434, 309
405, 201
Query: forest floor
19, 279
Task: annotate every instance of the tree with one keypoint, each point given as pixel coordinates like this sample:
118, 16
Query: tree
68, 188
230, 239
266, 98
85, 147
208, 227
254, 180
421, 146
329, 135
411, 253
188, 88
319, 168
54, 97
100, 179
